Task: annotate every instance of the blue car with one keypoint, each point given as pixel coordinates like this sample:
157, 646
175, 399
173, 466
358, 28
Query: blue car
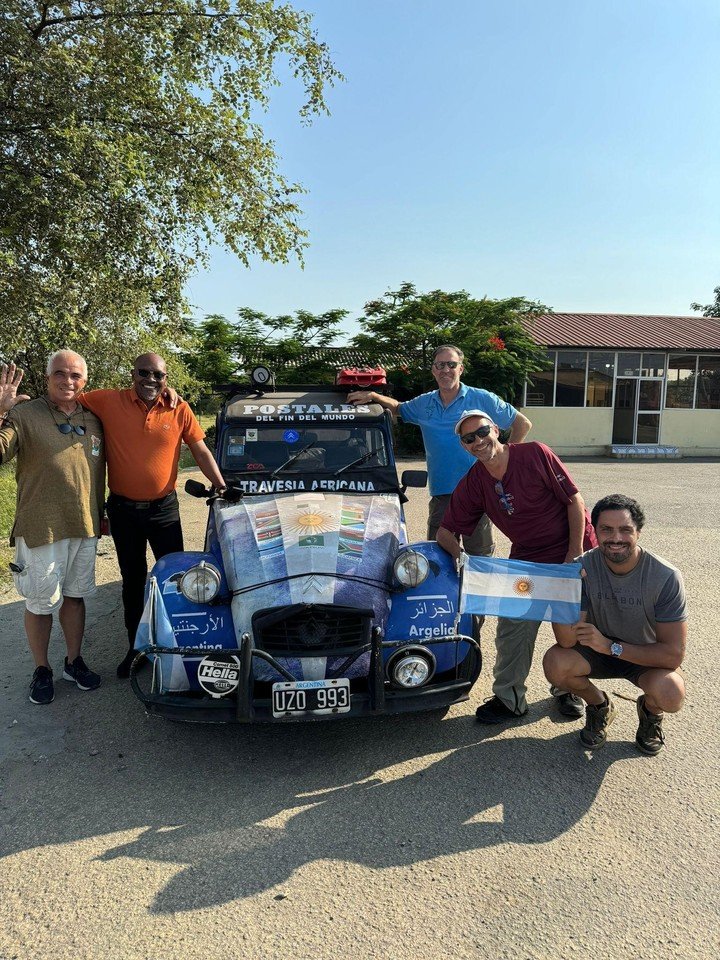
308, 602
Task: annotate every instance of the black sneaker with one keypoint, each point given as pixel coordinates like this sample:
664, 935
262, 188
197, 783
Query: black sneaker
649, 738
495, 711
597, 720
78, 672
42, 689
567, 703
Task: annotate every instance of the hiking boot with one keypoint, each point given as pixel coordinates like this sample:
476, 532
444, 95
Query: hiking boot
597, 720
495, 711
649, 738
42, 689
78, 672
567, 703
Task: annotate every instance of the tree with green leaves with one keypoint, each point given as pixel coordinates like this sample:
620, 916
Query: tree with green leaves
709, 309
130, 141
285, 343
499, 352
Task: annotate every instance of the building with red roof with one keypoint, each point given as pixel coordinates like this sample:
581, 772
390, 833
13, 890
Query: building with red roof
626, 383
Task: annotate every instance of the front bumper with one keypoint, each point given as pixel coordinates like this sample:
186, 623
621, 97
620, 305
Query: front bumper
243, 706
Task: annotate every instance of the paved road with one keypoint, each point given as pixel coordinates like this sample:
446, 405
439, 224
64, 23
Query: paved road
129, 837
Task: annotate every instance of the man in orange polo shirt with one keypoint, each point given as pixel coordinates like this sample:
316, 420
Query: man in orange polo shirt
143, 436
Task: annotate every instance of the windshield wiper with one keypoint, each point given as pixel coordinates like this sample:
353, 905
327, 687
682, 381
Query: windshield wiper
355, 463
292, 459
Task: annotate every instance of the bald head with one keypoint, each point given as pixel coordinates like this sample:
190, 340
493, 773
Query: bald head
149, 377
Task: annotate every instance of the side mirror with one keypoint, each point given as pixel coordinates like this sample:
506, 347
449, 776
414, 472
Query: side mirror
412, 478
196, 489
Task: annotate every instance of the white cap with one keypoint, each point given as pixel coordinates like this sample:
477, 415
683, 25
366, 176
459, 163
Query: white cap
466, 414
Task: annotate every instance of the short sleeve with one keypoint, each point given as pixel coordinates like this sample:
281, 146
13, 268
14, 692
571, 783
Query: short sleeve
670, 604
555, 474
410, 410
192, 431
466, 506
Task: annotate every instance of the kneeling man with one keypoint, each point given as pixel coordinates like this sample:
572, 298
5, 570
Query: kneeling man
633, 626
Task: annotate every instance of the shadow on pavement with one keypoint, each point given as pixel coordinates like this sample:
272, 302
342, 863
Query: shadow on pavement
240, 809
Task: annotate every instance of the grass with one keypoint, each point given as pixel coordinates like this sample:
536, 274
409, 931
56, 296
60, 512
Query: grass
7, 514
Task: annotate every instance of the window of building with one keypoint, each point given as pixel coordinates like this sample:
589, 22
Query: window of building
541, 386
601, 371
681, 380
708, 384
570, 378
653, 365
628, 364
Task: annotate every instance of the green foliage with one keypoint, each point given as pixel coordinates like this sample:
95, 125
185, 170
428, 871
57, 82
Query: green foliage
129, 141
282, 343
709, 309
499, 353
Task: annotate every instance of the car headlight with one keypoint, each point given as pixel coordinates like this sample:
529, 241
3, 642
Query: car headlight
411, 667
411, 568
200, 584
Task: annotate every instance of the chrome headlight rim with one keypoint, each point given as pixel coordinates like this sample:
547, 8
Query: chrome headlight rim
211, 575
422, 567
406, 653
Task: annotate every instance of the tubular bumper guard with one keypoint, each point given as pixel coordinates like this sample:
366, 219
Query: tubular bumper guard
243, 707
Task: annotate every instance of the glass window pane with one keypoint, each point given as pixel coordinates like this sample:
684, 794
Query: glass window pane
680, 380
653, 364
650, 393
708, 386
540, 385
601, 369
648, 427
628, 365
570, 390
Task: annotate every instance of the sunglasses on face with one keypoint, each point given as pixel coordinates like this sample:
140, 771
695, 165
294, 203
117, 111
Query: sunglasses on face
481, 432
442, 364
505, 499
155, 374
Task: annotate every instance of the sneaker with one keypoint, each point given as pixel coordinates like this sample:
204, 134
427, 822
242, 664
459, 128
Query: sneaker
649, 738
78, 672
123, 668
567, 703
42, 689
495, 711
597, 720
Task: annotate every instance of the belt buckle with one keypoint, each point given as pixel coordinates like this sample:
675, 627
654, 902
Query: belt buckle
143, 504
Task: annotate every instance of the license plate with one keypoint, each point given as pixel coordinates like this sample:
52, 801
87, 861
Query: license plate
310, 696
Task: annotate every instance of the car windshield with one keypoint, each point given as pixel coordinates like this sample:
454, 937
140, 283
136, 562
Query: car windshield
303, 450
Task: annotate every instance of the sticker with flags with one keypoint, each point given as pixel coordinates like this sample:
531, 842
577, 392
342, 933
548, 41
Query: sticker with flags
520, 590
155, 629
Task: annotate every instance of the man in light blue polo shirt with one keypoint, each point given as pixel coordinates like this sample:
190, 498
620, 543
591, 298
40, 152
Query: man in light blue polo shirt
436, 413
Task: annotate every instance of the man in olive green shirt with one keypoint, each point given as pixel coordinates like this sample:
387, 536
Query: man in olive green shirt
60, 474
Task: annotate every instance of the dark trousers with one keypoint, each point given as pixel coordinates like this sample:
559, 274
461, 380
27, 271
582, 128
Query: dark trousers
133, 526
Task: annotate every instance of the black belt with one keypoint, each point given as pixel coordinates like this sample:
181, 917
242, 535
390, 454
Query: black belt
139, 504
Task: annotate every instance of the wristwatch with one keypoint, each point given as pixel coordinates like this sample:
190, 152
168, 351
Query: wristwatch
616, 649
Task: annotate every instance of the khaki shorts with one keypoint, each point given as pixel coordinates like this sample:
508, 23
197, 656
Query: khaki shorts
52, 571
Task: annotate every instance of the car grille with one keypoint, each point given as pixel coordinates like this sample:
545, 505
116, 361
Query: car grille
312, 630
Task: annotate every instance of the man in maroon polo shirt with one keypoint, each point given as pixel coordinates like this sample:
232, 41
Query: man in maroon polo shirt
528, 494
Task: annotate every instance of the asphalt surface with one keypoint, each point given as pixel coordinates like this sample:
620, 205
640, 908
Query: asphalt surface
130, 837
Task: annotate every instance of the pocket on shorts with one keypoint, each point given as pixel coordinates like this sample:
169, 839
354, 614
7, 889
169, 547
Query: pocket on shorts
37, 584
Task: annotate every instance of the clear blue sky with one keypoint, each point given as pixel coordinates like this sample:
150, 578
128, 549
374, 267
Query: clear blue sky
564, 150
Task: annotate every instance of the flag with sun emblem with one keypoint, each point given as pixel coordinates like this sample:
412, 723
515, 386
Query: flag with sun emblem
520, 590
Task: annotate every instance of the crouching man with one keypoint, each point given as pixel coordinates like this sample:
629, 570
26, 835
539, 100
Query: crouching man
633, 626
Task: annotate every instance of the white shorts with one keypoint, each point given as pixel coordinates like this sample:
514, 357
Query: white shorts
52, 571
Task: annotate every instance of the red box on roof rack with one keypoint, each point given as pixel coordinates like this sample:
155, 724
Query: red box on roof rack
361, 377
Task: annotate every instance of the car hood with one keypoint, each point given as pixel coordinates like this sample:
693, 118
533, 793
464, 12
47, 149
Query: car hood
309, 548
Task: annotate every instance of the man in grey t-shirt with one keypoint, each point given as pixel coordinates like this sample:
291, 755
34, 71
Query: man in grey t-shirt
633, 625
